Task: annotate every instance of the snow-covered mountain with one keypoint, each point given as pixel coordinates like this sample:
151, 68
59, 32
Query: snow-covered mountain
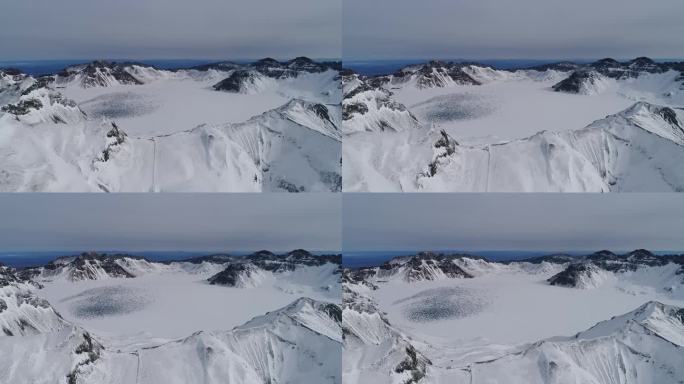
300, 342
429, 128
374, 351
251, 270
640, 267
267, 126
461, 333
642, 346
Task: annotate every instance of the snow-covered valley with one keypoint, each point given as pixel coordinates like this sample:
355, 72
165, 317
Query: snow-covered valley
556, 128
118, 318
266, 126
434, 318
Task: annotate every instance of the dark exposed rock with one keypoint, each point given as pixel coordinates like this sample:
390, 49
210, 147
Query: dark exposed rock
41, 82
334, 312
571, 275
447, 146
236, 82
232, 275
669, 115
321, 111
118, 137
23, 107
349, 109
89, 347
575, 82
290, 187
415, 363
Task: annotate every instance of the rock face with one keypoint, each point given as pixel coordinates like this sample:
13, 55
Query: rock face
234, 275
239, 81
573, 274
579, 82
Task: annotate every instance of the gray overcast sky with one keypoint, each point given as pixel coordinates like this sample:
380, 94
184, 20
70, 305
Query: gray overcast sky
170, 29
505, 29
530, 222
178, 222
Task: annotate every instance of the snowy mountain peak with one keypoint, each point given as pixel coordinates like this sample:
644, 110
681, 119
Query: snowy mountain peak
321, 317
438, 74
242, 81
238, 275
89, 266
607, 62
419, 267
642, 346
666, 321
667, 114
595, 269
251, 270
583, 82
21, 311
99, 73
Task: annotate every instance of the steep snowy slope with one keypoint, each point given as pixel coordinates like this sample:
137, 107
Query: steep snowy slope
643, 346
21, 311
266, 126
517, 131
300, 343
374, 351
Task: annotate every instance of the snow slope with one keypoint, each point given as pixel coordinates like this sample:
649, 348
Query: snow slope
642, 346
127, 127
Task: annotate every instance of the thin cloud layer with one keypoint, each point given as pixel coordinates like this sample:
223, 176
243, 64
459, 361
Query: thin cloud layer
521, 29
530, 222
163, 29
177, 222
